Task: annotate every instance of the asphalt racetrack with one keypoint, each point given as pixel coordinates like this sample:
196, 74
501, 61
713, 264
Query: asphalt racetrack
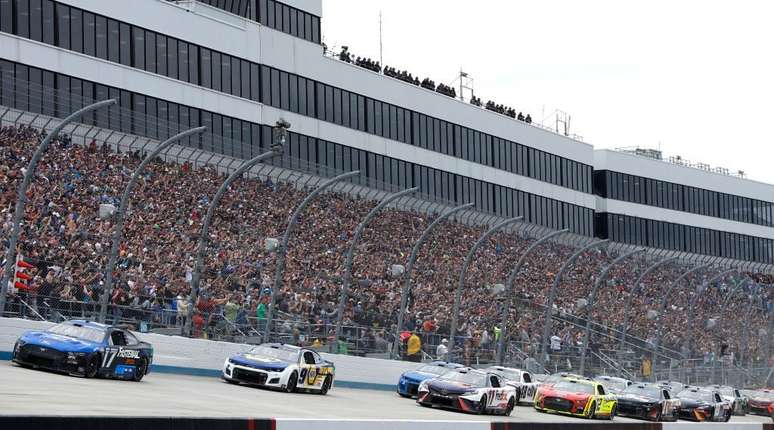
34, 392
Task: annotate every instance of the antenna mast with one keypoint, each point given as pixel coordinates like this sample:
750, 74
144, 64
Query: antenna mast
381, 48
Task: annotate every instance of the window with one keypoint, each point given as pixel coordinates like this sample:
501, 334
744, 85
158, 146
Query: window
36, 20
102, 35
63, 18
225, 67
216, 71
150, 49
23, 18
6, 16
113, 41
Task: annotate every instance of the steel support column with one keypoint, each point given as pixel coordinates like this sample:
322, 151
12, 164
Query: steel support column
552, 297
406, 291
21, 195
283, 247
592, 298
351, 255
458, 294
204, 236
120, 215
633, 293
508, 293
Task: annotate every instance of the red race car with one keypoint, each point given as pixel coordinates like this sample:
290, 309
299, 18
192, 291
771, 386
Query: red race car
761, 401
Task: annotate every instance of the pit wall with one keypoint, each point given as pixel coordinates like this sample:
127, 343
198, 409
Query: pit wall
199, 357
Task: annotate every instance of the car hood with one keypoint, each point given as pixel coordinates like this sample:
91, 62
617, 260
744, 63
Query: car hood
259, 362
551, 392
416, 376
450, 387
58, 342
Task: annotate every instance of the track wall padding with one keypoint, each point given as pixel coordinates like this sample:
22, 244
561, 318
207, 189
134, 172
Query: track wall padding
201, 357
131, 423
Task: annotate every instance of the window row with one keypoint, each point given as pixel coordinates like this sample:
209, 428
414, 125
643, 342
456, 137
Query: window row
665, 235
668, 195
105, 38
32, 89
274, 14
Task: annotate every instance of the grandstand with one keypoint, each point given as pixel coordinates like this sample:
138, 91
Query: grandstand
167, 77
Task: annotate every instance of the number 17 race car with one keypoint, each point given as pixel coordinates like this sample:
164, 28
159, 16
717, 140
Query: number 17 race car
468, 390
85, 348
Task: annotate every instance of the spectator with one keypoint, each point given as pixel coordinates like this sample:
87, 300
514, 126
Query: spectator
414, 349
442, 350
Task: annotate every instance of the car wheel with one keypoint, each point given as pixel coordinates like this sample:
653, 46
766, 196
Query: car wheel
326, 386
728, 417
292, 382
613, 411
139, 371
509, 408
482, 405
658, 417
592, 409
92, 367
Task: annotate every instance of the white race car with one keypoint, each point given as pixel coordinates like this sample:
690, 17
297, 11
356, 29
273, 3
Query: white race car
285, 367
468, 390
520, 380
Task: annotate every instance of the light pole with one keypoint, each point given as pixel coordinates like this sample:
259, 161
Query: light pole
662, 309
464, 271
21, 196
633, 294
508, 302
283, 247
592, 298
120, 214
280, 137
351, 255
552, 296
404, 294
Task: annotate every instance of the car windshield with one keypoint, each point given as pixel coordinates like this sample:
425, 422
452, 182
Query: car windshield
705, 396
574, 387
613, 384
509, 375
278, 353
90, 334
470, 378
433, 369
727, 391
645, 391
762, 394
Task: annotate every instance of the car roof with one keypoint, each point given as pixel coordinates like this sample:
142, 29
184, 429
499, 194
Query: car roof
87, 323
610, 378
469, 370
445, 364
282, 346
582, 381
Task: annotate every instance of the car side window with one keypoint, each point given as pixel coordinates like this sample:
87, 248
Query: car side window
600, 390
717, 397
317, 358
665, 394
494, 381
131, 339
117, 338
308, 357
527, 377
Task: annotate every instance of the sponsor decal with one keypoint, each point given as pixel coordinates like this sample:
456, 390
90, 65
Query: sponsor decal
129, 353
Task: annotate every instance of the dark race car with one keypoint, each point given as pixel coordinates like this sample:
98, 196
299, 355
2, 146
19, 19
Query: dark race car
649, 402
85, 348
698, 404
409, 381
468, 390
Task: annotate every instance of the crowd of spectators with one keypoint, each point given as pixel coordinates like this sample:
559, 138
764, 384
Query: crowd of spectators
67, 240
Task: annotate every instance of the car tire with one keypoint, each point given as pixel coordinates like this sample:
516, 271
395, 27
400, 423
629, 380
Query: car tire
592, 409
326, 385
140, 370
509, 408
658, 417
613, 411
482, 405
292, 382
728, 416
92, 366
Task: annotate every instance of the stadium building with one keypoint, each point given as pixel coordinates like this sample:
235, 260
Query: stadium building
238, 66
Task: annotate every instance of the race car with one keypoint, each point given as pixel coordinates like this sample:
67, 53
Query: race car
760, 401
698, 404
279, 366
674, 387
85, 348
409, 381
520, 380
740, 404
612, 384
649, 402
576, 397
468, 390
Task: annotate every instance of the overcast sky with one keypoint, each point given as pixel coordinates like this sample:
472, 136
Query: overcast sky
696, 77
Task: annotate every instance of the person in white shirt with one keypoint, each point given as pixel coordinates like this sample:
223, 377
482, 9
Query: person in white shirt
556, 344
442, 350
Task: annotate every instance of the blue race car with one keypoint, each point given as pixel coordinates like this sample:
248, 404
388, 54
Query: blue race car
85, 348
409, 381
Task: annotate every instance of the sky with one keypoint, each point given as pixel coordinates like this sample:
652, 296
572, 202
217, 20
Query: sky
693, 78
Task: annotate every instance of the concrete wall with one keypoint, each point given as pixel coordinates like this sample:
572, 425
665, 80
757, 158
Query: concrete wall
175, 354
